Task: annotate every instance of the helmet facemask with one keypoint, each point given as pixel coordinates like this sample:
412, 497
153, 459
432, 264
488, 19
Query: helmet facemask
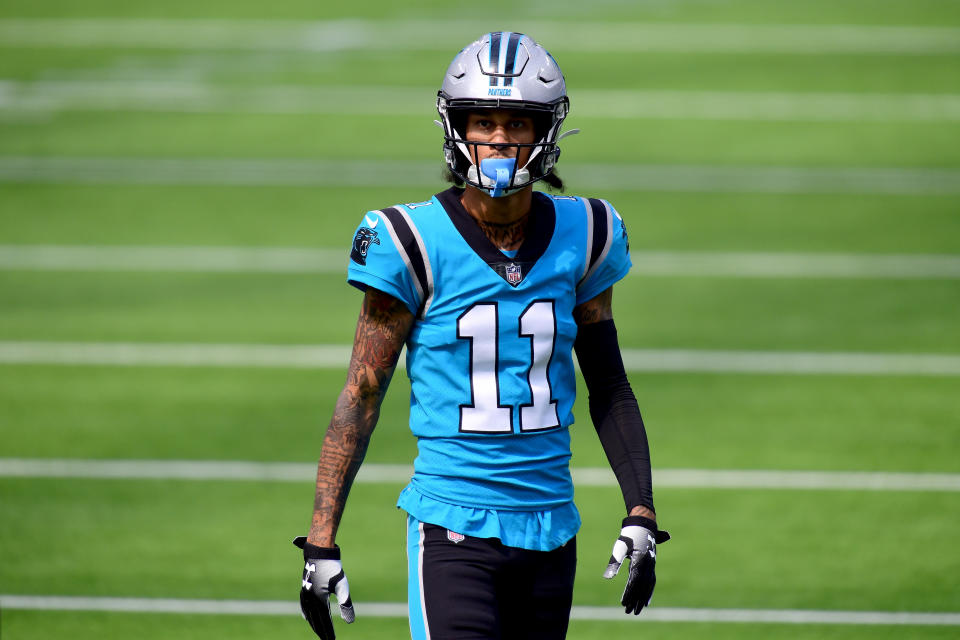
500, 176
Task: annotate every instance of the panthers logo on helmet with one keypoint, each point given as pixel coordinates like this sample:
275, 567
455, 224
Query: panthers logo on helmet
361, 242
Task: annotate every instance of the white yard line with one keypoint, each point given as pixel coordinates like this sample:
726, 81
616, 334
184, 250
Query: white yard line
790, 362
405, 173
297, 260
335, 356
791, 265
447, 35
194, 95
399, 610
823, 480
771, 616
169, 605
373, 473
199, 259
179, 355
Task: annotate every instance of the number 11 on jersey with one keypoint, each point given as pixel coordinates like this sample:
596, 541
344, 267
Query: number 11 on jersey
485, 414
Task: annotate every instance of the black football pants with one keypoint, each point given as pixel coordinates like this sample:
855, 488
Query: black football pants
464, 588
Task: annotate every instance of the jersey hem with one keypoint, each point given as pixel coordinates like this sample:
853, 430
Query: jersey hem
536, 530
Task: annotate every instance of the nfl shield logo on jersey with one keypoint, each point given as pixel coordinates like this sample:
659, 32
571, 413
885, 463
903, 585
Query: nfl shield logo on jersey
455, 537
514, 273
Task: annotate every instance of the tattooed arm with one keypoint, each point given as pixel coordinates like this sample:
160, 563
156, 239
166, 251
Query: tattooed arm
382, 328
595, 309
613, 406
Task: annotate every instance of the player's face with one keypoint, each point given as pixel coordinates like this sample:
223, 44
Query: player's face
501, 127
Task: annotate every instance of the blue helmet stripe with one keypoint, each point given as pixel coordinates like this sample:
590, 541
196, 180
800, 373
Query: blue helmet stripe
512, 46
494, 56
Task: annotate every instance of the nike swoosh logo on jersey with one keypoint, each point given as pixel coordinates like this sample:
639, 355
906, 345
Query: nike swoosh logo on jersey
371, 223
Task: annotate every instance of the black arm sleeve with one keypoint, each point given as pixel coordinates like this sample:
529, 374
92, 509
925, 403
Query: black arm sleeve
614, 410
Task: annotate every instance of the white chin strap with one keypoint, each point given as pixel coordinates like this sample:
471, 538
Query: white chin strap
494, 187
495, 190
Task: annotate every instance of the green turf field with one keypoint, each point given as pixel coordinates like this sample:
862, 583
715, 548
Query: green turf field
758, 131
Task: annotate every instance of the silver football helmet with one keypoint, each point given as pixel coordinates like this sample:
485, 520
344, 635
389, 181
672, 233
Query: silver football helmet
502, 70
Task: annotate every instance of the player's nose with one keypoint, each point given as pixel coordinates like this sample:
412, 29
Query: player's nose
499, 137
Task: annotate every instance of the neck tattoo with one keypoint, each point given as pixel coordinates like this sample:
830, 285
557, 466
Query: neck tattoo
509, 235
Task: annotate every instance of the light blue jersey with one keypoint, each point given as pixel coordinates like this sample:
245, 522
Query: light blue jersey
489, 356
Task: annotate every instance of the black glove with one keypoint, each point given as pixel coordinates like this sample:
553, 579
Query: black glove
323, 575
638, 541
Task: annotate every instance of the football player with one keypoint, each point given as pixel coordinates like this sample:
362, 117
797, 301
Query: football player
491, 286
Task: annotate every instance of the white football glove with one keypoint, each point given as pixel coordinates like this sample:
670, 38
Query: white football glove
638, 541
323, 575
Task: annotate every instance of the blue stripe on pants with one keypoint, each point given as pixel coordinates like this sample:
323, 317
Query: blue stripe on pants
418, 620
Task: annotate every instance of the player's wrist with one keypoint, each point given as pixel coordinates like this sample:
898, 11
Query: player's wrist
646, 512
641, 521
659, 535
317, 552
322, 532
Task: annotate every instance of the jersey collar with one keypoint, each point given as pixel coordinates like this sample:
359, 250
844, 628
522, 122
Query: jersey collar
543, 220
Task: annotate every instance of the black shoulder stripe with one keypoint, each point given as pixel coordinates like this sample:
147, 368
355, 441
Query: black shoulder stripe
600, 231
410, 247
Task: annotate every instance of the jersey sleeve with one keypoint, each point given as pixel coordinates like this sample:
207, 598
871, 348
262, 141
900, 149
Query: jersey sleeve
608, 259
376, 261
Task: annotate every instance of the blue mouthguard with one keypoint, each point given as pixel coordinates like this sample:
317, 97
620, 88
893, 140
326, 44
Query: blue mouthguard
500, 171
